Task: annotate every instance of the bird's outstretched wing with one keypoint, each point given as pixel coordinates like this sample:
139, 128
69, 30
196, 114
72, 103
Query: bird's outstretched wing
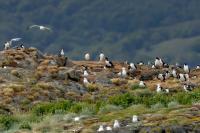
33, 26
15, 39
48, 29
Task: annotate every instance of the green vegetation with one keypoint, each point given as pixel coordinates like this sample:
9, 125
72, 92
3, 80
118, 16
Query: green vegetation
118, 106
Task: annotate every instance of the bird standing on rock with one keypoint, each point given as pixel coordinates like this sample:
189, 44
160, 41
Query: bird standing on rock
101, 129
62, 53
159, 88
142, 84
87, 56
186, 68
135, 119
158, 62
101, 57
116, 124
108, 63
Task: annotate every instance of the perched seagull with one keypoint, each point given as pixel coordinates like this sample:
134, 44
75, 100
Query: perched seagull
101, 129
7, 45
87, 56
141, 63
108, 128
123, 73
159, 88
142, 84
167, 90
62, 53
43, 28
109, 64
186, 68
101, 57
135, 119
85, 73
116, 124
77, 119
174, 73
85, 81
158, 62
198, 67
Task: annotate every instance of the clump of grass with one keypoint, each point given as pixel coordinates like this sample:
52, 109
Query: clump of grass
118, 81
109, 108
157, 106
7, 121
92, 87
135, 86
45, 86
25, 125
173, 104
51, 108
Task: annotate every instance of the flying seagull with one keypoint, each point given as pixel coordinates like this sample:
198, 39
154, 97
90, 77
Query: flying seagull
43, 28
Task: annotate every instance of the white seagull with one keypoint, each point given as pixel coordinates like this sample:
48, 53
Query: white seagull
87, 56
186, 68
43, 28
142, 84
108, 128
116, 124
159, 88
101, 129
85, 81
101, 57
135, 119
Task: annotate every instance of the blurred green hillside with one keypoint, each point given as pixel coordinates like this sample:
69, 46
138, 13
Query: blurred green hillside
123, 29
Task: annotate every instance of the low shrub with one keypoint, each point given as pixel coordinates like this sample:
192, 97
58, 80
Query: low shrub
46, 108
109, 108
7, 121
25, 125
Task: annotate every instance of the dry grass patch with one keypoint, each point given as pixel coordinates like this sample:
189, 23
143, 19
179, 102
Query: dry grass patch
118, 81
8, 92
45, 86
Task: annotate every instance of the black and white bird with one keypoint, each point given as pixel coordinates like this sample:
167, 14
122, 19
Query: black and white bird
158, 62
161, 77
186, 68
101, 57
167, 75
135, 119
40, 27
22, 46
187, 87
132, 67
116, 124
87, 56
108, 63
142, 84
182, 77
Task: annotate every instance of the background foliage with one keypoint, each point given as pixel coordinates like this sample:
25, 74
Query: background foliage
123, 29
